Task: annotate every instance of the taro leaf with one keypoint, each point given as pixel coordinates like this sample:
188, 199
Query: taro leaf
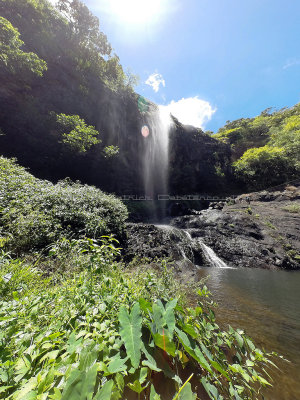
145, 305
165, 343
150, 362
120, 381
190, 330
170, 316
164, 317
27, 390
192, 349
131, 332
214, 363
158, 318
153, 394
88, 357
211, 390
239, 339
73, 344
80, 385
117, 364
105, 392
47, 381
186, 393
136, 387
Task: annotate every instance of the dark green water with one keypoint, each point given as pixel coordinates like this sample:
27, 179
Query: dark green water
266, 304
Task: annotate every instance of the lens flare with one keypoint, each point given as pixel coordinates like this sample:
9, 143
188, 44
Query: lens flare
145, 131
136, 11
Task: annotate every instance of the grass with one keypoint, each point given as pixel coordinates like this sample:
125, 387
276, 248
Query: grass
293, 208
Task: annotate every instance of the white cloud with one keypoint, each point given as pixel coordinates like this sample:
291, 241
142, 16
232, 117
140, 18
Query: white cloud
53, 2
291, 62
192, 111
155, 80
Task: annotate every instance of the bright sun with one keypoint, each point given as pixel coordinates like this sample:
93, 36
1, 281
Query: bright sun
137, 11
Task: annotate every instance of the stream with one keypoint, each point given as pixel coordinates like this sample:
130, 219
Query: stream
265, 303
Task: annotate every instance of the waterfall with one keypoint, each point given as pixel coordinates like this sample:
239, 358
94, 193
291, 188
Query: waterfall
208, 253
156, 152
211, 256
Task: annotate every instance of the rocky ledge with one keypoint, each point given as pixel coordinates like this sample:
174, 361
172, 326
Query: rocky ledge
257, 230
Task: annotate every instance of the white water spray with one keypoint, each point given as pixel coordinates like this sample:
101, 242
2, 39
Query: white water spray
156, 154
211, 256
208, 253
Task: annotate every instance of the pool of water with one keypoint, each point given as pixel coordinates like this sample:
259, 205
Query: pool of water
266, 304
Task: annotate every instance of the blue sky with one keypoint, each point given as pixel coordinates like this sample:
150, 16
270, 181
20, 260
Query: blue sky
226, 58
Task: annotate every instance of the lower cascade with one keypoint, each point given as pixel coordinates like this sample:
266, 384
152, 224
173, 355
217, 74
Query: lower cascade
211, 257
184, 240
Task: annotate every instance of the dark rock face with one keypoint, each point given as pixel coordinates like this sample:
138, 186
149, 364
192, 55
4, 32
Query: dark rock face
250, 233
157, 241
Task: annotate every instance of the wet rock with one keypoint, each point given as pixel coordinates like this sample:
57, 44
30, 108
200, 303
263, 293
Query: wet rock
157, 241
245, 233
264, 235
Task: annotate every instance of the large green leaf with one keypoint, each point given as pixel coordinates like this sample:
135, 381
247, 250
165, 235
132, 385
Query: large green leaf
105, 392
165, 344
193, 350
164, 317
80, 385
117, 364
131, 332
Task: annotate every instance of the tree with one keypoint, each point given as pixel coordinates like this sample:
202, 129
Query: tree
85, 26
13, 60
76, 134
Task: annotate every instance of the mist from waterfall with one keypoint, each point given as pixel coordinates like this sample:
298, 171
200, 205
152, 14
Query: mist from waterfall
156, 153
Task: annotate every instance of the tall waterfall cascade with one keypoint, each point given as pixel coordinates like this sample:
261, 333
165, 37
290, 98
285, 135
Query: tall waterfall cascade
156, 153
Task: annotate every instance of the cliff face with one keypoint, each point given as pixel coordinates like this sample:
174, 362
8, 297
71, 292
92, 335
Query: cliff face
198, 163
87, 80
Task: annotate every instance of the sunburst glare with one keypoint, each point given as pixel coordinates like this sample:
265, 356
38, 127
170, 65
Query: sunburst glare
138, 12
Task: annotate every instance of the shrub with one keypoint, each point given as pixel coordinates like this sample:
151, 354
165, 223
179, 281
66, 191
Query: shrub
264, 166
36, 213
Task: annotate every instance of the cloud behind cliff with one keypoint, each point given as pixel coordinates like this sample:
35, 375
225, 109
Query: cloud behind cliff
192, 111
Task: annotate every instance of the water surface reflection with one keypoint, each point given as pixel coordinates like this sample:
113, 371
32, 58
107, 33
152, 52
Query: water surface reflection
266, 304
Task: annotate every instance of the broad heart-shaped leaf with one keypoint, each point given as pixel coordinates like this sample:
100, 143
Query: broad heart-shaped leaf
150, 362
131, 332
164, 317
105, 392
165, 343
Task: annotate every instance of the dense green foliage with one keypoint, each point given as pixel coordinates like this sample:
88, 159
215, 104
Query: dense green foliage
265, 149
58, 62
35, 213
94, 330
76, 134
13, 60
